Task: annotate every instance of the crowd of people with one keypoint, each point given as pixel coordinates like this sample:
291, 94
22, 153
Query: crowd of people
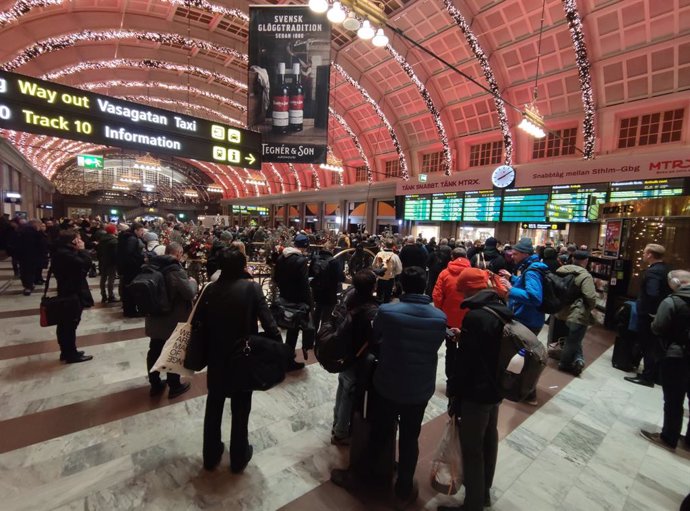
406, 298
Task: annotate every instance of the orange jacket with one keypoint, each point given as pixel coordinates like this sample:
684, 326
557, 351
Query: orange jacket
446, 296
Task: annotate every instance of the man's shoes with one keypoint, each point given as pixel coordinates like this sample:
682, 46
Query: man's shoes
26, 292
237, 468
340, 441
401, 502
578, 367
178, 391
295, 366
157, 389
487, 500
531, 399
655, 438
638, 380
213, 461
78, 358
112, 299
104, 299
63, 357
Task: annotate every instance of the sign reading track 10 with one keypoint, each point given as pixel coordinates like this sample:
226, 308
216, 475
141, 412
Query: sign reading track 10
46, 108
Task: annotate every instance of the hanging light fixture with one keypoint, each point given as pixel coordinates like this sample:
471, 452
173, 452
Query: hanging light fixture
366, 31
532, 121
380, 39
190, 194
333, 163
214, 189
255, 182
336, 14
351, 22
319, 6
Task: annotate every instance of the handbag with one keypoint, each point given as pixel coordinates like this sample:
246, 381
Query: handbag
289, 315
173, 357
446, 467
58, 308
258, 363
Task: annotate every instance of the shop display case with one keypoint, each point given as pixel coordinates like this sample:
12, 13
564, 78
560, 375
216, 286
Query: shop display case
611, 277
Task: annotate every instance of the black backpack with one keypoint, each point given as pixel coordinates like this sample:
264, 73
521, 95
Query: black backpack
319, 271
684, 338
558, 291
149, 292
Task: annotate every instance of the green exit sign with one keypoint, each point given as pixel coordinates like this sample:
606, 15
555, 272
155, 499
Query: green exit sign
422, 178
90, 161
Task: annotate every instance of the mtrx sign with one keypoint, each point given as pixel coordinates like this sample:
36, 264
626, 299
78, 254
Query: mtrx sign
37, 106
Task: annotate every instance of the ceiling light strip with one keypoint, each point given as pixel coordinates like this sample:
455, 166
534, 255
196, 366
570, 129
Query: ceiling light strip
22, 7
296, 174
315, 177
278, 176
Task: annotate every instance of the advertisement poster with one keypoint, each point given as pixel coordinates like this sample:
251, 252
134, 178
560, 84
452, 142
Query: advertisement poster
289, 74
612, 243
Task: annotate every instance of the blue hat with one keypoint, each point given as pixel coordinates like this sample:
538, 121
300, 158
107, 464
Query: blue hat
524, 246
301, 241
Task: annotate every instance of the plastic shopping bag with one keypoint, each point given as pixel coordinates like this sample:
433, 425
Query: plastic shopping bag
446, 468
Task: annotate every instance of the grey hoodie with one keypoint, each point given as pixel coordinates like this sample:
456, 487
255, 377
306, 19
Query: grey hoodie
672, 320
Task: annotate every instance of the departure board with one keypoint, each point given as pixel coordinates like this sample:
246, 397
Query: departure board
577, 198
525, 204
446, 207
482, 206
635, 190
417, 207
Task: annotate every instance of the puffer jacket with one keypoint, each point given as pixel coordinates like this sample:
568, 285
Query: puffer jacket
446, 296
411, 334
526, 295
580, 311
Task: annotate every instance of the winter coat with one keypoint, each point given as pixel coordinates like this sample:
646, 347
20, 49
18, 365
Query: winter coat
494, 260
672, 321
130, 253
446, 295
437, 262
291, 275
393, 269
476, 360
653, 289
411, 334
527, 293
413, 255
325, 288
181, 292
31, 247
580, 311
107, 252
229, 311
155, 247
363, 313
70, 267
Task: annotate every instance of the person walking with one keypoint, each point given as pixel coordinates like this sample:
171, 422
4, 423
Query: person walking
653, 289
411, 332
107, 263
181, 290
573, 320
238, 301
672, 325
70, 264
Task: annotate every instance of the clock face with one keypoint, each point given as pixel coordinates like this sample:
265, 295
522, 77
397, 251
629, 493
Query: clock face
503, 176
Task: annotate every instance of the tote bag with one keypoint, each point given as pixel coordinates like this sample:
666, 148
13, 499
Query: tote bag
57, 308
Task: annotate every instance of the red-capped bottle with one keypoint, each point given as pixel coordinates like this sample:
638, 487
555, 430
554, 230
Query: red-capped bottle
280, 103
296, 112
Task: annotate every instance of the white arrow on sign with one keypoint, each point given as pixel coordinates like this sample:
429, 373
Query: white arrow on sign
250, 158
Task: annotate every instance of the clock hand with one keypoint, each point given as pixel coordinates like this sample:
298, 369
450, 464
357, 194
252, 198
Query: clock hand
504, 175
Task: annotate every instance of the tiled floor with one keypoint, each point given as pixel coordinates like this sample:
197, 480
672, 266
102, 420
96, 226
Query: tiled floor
88, 437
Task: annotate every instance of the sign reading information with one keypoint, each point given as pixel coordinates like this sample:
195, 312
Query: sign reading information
46, 108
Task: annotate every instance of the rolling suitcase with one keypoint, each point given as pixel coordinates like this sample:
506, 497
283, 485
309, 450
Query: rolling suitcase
626, 350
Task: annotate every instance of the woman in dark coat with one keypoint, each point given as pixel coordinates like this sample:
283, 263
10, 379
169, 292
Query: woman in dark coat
228, 312
70, 265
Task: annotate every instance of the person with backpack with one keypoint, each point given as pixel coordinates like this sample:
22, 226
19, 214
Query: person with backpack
152, 247
107, 263
489, 258
574, 318
438, 261
291, 276
130, 257
360, 310
476, 397
387, 266
672, 325
326, 274
526, 292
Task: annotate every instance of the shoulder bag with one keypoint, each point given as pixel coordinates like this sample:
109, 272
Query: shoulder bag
58, 308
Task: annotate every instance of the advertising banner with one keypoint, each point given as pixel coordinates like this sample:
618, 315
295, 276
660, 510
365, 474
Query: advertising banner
612, 242
289, 74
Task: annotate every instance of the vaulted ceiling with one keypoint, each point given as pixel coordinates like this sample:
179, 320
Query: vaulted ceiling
388, 104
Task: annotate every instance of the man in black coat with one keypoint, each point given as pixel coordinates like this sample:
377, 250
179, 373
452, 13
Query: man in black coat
476, 397
653, 289
412, 254
437, 262
130, 257
326, 273
107, 262
32, 251
291, 275
70, 265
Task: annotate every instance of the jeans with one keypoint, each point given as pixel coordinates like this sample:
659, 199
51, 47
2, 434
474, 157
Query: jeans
410, 416
479, 442
675, 382
155, 349
384, 290
240, 406
321, 313
108, 276
572, 349
344, 402
66, 332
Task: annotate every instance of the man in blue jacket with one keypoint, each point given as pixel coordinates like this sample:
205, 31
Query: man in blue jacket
525, 291
411, 333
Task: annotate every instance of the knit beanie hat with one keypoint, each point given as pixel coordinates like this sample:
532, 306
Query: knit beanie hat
524, 246
150, 236
490, 242
110, 228
226, 236
301, 241
472, 279
580, 255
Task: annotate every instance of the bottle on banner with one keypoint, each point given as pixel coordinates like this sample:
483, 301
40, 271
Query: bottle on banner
296, 108
280, 103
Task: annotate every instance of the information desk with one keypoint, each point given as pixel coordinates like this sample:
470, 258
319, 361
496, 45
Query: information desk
577, 198
635, 190
446, 207
417, 207
482, 206
525, 204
